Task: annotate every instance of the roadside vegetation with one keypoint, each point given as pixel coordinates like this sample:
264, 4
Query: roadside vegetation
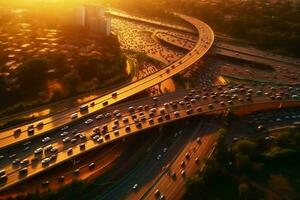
258, 167
49, 79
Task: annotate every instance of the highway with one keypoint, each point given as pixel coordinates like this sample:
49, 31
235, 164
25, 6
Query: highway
206, 38
189, 103
229, 50
220, 46
169, 181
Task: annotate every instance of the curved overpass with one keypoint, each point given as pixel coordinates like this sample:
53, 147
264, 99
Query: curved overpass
204, 43
247, 102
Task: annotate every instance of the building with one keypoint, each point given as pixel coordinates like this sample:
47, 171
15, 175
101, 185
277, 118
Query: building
92, 18
79, 15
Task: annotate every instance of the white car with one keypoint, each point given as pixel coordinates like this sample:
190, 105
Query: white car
38, 150
67, 139
135, 186
98, 117
45, 161
46, 139
64, 133
64, 128
89, 121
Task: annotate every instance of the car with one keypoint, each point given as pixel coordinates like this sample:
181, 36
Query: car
84, 108
165, 149
69, 150
26, 148
135, 186
53, 150
2, 172
46, 161
100, 140
197, 160
64, 128
127, 129
89, 121
114, 95
17, 131
23, 171
31, 126
16, 162
61, 179
125, 119
116, 132
74, 116
157, 193
76, 172
40, 124
105, 103
92, 104
198, 139
46, 139
189, 111
158, 157
107, 115
64, 133
30, 131
73, 140
66, 139
27, 143
48, 148
92, 165
3, 178
182, 164
155, 98
45, 183
38, 151
173, 175
162, 110
176, 113
182, 173
131, 109
82, 146
100, 116
24, 162
74, 131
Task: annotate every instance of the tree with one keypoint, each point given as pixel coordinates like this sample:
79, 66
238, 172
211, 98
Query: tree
32, 75
246, 147
71, 81
242, 161
244, 192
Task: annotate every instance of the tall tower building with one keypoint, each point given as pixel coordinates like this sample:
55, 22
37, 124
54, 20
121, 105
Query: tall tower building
79, 16
92, 18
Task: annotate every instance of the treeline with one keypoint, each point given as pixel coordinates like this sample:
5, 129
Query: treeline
51, 78
246, 169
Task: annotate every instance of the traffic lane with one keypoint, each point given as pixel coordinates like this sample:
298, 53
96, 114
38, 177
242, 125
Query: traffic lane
173, 189
148, 171
102, 161
183, 113
138, 174
56, 139
167, 181
141, 192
